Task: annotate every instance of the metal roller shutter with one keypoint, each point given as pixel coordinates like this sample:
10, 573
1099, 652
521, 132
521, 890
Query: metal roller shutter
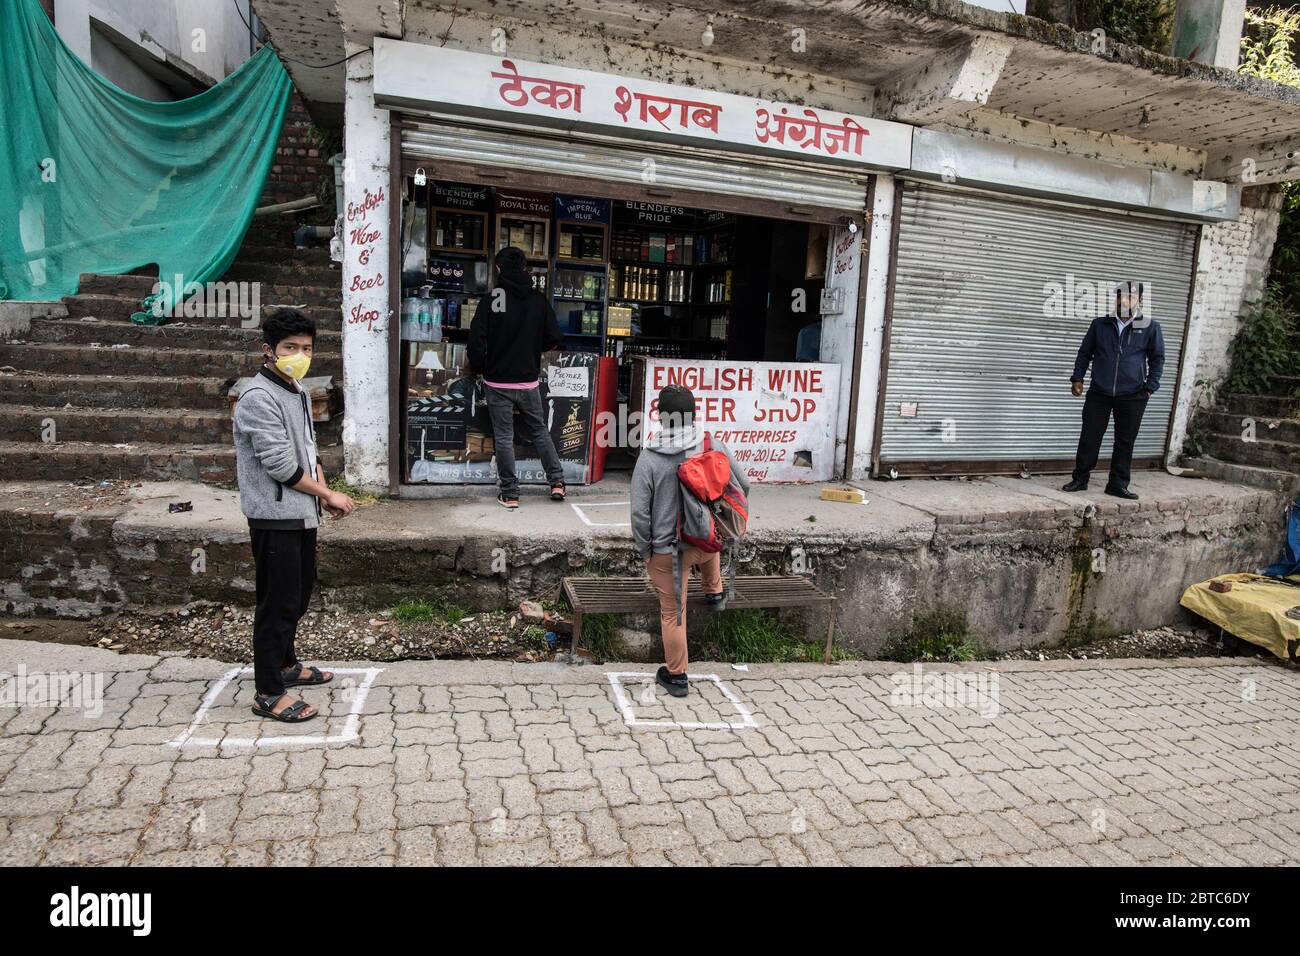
984, 353
679, 168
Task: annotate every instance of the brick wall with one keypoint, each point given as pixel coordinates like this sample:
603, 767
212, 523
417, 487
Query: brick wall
295, 173
1232, 271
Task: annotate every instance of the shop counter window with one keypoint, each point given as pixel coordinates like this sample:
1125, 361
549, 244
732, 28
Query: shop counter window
449, 431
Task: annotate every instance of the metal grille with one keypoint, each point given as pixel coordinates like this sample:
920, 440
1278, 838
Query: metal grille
982, 347
679, 168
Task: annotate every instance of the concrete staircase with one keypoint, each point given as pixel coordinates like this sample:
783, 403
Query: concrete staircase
1272, 458
130, 401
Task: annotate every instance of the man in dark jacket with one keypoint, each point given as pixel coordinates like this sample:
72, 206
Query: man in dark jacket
513, 325
1127, 355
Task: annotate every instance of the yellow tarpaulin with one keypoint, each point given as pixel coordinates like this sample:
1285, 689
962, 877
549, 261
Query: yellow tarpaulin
1255, 610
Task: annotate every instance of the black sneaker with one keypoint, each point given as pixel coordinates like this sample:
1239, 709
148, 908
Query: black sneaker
716, 602
510, 501
557, 491
1121, 493
1075, 486
675, 684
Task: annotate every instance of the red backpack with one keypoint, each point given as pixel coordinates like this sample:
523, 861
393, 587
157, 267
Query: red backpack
714, 511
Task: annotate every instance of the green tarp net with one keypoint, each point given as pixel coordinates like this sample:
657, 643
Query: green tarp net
94, 179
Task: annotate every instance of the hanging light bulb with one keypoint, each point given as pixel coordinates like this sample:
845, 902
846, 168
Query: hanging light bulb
707, 36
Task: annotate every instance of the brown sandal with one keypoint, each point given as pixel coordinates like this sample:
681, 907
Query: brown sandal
290, 715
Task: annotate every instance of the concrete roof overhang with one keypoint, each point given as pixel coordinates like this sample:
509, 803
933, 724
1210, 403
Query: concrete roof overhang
934, 63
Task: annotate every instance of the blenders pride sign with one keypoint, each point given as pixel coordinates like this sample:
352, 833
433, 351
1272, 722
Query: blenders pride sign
413, 75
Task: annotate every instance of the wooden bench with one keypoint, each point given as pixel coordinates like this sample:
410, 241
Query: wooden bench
629, 595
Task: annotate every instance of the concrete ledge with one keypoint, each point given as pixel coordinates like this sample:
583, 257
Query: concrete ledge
1028, 563
16, 316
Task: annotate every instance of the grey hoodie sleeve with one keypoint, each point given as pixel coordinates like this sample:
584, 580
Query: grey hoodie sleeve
258, 416
643, 496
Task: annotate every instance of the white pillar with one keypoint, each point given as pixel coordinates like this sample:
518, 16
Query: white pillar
873, 331
366, 196
1209, 31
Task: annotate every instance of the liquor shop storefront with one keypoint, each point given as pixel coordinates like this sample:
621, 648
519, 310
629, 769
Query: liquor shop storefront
680, 235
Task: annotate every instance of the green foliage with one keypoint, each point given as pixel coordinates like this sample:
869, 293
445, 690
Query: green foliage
1264, 348
1144, 23
1268, 50
409, 611
423, 610
1266, 45
600, 637
940, 635
340, 484
754, 637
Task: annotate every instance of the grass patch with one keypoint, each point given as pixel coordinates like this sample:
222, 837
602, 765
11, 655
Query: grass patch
754, 637
600, 637
409, 611
534, 638
937, 636
339, 483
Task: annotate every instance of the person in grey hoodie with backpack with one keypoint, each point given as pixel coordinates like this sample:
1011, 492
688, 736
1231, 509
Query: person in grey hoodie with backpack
657, 503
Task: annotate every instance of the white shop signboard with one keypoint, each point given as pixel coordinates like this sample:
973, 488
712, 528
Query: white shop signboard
418, 76
778, 418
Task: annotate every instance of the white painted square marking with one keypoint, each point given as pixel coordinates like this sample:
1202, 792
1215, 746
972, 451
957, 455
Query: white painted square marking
624, 702
579, 510
350, 726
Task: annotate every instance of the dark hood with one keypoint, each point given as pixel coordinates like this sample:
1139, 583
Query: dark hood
518, 284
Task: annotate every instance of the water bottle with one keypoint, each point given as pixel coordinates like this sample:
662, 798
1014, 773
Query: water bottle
411, 318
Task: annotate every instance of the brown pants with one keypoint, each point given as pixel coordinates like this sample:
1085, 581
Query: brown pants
660, 569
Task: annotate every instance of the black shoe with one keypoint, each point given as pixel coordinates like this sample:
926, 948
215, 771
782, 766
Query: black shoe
716, 602
508, 500
1121, 493
675, 684
1075, 485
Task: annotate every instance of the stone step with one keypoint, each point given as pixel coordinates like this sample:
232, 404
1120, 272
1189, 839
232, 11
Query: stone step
1285, 385
119, 308
177, 426
268, 252
1270, 406
131, 360
1261, 453
73, 461
116, 391
137, 287
1271, 429
287, 272
187, 335
1271, 478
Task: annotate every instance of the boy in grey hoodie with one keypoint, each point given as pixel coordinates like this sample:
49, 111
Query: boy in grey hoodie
281, 490
656, 504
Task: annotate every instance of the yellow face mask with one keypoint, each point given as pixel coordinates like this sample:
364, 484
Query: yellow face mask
295, 366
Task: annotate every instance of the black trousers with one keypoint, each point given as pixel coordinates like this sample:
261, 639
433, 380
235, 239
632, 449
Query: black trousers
286, 572
1098, 410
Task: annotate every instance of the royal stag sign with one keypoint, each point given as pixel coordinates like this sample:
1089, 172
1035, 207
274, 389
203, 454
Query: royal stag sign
420, 77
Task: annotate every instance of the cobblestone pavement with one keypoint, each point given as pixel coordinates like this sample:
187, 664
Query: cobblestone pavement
1078, 762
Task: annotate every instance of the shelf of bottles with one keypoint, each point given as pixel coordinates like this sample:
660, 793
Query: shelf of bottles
580, 276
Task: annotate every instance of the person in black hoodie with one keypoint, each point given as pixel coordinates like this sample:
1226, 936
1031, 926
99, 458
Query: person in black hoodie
513, 325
